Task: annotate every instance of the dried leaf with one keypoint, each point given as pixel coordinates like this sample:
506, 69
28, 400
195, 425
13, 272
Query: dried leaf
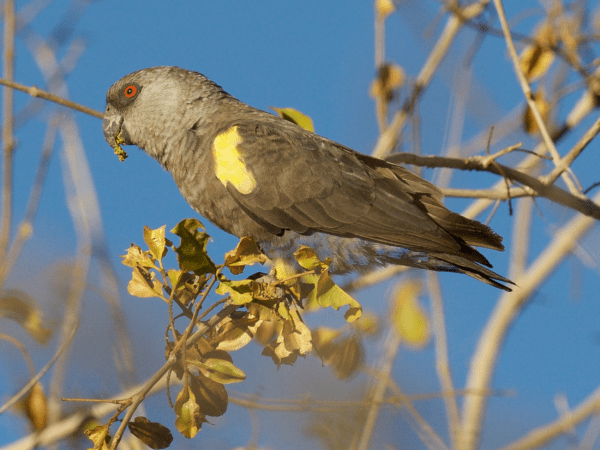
99, 436
136, 257
144, 284
246, 253
235, 333
210, 395
153, 434
21, 308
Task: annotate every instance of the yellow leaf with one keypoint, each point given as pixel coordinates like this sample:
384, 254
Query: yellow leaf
411, 321
529, 122
36, 407
136, 257
295, 116
143, 284
155, 240
99, 436
245, 253
536, 58
384, 8
240, 291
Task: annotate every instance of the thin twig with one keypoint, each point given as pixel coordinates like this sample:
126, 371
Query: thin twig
538, 188
442, 362
35, 92
8, 142
529, 97
391, 346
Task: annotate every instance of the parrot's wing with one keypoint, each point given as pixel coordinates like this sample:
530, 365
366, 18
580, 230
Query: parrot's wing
289, 178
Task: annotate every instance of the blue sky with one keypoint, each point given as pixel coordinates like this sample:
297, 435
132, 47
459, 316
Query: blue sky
317, 57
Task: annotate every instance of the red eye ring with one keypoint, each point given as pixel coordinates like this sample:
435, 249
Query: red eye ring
130, 91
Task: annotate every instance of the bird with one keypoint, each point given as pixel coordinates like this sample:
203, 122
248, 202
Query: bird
252, 173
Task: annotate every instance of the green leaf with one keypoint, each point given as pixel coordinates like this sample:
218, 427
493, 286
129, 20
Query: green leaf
189, 420
191, 253
295, 116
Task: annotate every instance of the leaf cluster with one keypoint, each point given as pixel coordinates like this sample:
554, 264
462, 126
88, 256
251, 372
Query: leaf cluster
267, 307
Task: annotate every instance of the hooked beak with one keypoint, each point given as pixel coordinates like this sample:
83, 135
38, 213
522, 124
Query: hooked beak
114, 131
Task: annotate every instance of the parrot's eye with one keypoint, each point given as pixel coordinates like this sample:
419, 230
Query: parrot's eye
130, 91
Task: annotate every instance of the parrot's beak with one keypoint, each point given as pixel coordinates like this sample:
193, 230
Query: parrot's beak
111, 124
114, 131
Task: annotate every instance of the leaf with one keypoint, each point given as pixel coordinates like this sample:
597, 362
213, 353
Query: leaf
153, 434
36, 407
530, 124
295, 116
297, 336
136, 257
389, 78
155, 240
211, 396
189, 420
410, 320
220, 370
330, 294
99, 436
325, 292
368, 324
191, 253
246, 253
308, 259
294, 340
536, 58
240, 291
143, 284
21, 308
345, 355
384, 8
348, 357
235, 333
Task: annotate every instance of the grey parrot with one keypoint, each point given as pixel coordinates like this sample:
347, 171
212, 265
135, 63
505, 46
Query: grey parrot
252, 173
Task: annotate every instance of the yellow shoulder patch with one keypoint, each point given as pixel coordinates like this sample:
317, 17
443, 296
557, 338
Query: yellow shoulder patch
229, 163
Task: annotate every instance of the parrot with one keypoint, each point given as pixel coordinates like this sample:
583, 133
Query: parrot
253, 173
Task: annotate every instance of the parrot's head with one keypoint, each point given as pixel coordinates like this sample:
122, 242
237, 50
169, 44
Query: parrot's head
150, 107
